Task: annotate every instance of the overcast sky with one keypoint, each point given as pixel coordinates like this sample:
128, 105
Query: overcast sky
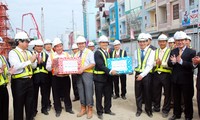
57, 15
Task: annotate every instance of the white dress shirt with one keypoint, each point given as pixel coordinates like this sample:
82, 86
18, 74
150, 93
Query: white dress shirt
149, 63
56, 55
89, 58
14, 60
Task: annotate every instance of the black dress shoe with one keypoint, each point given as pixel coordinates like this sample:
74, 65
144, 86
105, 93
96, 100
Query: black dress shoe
124, 97
188, 119
138, 114
110, 113
116, 96
149, 114
174, 117
155, 110
165, 115
70, 111
58, 114
100, 117
75, 99
45, 112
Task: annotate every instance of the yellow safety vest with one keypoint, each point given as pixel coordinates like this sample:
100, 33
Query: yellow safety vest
141, 65
114, 52
52, 56
105, 62
4, 78
42, 70
83, 61
164, 59
27, 72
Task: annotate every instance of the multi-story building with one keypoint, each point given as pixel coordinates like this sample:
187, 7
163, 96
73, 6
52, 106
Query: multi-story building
102, 17
162, 16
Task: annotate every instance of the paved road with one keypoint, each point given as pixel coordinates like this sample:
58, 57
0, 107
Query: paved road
124, 109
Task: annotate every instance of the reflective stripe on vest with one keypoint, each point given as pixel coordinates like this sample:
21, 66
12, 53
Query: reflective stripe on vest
105, 62
27, 71
4, 78
52, 57
83, 61
164, 59
141, 65
42, 70
114, 52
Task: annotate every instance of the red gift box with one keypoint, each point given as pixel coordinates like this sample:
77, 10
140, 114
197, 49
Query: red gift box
64, 66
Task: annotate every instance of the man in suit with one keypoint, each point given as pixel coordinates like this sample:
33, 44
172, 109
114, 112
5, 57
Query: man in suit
182, 76
118, 53
102, 79
143, 64
40, 78
196, 63
149, 42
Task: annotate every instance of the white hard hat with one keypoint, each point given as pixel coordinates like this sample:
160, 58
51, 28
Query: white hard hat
74, 46
32, 43
1, 40
103, 38
90, 44
180, 35
116, 42
39, 42
149, 36
189, 38
21, 36
171, 39
162, 37
47, 41
56, 41
142, 37
80, 39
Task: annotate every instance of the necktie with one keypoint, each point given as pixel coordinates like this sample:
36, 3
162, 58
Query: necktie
25, 55
38, 58
180, 52
142, 55
81, 52
161, 54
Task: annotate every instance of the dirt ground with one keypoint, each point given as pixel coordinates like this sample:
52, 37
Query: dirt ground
124, 109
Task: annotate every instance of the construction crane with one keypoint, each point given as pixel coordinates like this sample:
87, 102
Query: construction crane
5, 26
39, 36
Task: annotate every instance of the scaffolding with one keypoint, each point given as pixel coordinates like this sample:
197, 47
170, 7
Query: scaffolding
5, 47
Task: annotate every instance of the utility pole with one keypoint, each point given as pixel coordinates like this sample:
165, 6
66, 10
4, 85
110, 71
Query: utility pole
42, 24
73, 27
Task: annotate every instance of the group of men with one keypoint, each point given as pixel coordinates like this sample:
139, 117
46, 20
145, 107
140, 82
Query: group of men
155, 68
167, 68
33, 69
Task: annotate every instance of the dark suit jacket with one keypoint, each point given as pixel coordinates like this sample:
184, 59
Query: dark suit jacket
198, 74
182, 74
152, 47
120, 53
100, 66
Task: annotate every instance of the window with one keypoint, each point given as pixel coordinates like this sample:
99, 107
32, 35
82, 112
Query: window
191, 2
145, 17
175, 11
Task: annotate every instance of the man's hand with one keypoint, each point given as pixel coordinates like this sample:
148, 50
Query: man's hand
196, 60
173, 59
11, 70
139, 77
178, 59
113, 72
158, 62
80, 71
33, 58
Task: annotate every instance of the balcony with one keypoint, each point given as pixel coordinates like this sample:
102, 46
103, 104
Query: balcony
151, 28
151, 5
163, 27
123, 36
105, 26
122, 17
